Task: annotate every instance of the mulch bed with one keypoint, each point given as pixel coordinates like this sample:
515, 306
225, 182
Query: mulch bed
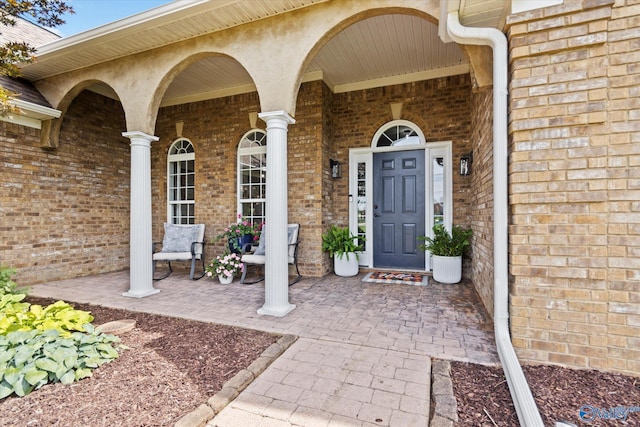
171, 367
483, 398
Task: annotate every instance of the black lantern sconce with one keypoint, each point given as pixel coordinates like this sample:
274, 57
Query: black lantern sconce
336, 168
465, 164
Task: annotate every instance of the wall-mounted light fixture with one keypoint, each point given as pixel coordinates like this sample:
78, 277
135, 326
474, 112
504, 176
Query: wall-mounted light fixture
336, 168
465, 164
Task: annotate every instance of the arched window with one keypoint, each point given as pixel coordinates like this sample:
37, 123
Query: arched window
252, 175
181, 182
398, 133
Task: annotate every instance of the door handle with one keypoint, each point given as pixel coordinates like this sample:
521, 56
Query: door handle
376, 215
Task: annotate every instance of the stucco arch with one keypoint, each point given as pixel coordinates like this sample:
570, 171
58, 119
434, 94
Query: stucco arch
126, 82
181, 66
52, 137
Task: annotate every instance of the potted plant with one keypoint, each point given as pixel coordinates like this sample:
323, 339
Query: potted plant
446, 249
343, 247
225, 266
240, 233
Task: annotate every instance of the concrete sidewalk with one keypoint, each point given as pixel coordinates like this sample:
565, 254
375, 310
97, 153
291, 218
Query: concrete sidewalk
320, 383
364, 351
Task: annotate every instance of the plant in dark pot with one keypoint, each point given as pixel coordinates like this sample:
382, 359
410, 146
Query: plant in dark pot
343, 246
240, 233
446, 249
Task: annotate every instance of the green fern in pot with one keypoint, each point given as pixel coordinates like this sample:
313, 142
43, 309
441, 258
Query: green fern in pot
343, 246
444, 243
447, 249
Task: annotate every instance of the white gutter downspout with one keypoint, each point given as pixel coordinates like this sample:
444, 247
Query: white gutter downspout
526, 408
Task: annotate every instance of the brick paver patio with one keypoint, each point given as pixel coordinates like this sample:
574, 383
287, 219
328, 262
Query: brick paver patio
364, 349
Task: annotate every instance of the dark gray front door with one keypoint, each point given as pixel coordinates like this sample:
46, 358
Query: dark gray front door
398, 209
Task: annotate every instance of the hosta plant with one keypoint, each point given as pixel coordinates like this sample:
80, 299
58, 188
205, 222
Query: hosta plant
31, 359
39, 345
21, 316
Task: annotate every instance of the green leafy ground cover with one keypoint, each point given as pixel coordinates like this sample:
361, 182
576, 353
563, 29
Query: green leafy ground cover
39, 345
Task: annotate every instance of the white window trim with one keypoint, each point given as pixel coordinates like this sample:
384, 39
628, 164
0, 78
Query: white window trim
248, 151
178, 158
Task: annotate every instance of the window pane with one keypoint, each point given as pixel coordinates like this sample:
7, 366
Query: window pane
398, 135
255, 191
245, 177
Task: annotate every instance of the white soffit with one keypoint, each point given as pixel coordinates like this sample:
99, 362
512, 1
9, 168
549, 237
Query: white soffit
484, 13
173, 22
518, 6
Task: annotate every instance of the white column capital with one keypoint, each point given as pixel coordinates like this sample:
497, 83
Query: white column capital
275, 118
140, 137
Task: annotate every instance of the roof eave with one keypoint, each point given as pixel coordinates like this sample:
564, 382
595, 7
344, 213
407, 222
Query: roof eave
29, 114
137, 22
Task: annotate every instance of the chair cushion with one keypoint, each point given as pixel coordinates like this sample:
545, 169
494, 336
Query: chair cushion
261, 250
254, 259
292, 237
173, 256
178, 237
259, 256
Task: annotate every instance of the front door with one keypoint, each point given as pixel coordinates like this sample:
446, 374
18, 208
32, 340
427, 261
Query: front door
398, 209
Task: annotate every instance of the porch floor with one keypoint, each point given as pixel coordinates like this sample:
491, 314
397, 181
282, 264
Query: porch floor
364, 351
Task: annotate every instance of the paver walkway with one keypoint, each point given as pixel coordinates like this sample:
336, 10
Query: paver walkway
363, 356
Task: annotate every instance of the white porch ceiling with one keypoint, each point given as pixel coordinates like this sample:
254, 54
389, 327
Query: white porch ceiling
374, 52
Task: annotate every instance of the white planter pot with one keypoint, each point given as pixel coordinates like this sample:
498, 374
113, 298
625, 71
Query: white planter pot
224, 279
447, 269
346, 267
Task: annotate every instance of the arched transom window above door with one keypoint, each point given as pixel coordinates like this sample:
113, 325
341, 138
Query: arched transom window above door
398, 133
252, 175
181, 182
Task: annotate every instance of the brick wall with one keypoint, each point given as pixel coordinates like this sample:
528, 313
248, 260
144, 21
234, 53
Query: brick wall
328, 211
482, 194
573, 185
65, 213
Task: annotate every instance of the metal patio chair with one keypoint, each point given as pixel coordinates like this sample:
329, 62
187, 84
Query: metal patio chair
181, 242
259, 256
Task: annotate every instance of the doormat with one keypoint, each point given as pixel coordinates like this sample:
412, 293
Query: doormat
397, 278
